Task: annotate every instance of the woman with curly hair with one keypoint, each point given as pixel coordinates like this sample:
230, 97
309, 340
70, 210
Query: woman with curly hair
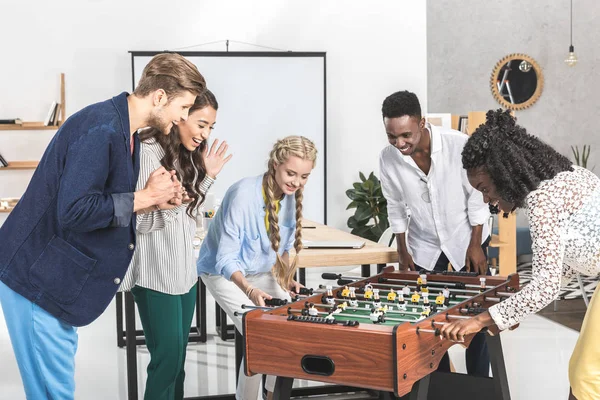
513, 169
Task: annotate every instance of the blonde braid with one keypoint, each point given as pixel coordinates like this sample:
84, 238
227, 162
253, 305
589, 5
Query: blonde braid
302, 147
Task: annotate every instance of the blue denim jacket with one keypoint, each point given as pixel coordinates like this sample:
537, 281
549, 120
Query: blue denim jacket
68, 242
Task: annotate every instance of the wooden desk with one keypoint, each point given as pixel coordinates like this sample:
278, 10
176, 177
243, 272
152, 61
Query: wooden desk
371, 253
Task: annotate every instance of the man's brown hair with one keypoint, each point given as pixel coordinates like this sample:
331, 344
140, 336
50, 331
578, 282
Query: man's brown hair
172, 73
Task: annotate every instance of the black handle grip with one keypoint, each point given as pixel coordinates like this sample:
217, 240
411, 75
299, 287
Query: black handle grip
275, 302
305, 291
342, 282
330, 276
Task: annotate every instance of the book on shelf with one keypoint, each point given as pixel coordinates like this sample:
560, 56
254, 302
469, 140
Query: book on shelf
13, 121
3, 162
463, 123
51, 112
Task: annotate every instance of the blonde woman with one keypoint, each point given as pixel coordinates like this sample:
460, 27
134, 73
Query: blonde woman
245, 255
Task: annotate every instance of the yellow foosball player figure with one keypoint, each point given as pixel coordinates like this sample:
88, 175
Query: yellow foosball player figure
368, 291
440, 300
391, 297
415, 298
424, 287
345, 292
340, 308
426, 312
353, 301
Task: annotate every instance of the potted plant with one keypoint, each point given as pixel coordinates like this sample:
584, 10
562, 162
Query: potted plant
581, 159
370, 218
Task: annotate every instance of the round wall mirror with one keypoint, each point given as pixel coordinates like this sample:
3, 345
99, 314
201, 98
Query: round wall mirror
517, 81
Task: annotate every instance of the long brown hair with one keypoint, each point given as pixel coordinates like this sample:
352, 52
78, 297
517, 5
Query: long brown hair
188, 164
305, 149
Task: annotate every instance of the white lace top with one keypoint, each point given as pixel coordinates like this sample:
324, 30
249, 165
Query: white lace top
564, 218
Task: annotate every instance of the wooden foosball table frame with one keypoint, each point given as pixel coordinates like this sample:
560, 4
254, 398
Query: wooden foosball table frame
401, 359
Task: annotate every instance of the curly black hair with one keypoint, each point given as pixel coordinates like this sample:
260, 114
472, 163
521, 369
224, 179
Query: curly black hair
400, 104
516, 161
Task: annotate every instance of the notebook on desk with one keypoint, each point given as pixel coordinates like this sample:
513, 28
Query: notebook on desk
333, 244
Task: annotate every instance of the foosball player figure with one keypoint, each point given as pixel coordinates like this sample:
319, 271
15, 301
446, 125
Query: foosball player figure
426, 298
446, 293
345, 293
312, 310
353, 302
368, 291
330, 316
415, 298
440, 300
340, 308
329, 296
378, 314
391, 296
376, 299
482, 284
426, 311
401, 301
424, 287
406, 291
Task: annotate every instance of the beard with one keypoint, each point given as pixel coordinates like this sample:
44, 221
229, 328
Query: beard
155, 121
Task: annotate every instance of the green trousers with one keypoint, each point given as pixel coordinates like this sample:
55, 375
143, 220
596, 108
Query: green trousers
166, 320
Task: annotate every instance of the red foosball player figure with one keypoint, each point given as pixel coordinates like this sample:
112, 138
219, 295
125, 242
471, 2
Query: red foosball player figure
353, 302
345, 292
329, 296
376, 299
482, 284
368, 291
391, 297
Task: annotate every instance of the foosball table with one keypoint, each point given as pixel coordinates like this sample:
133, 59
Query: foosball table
380, 333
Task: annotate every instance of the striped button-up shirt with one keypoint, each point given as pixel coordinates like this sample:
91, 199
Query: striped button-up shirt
164, 258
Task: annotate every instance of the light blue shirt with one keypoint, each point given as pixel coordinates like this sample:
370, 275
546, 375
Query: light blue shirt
237, 239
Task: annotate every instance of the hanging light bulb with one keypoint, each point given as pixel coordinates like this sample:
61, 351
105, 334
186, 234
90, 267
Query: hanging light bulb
571, 59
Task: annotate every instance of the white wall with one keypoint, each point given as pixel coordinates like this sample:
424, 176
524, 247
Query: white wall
373, 48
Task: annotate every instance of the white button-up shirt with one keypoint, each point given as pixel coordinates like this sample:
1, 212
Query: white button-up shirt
442, 206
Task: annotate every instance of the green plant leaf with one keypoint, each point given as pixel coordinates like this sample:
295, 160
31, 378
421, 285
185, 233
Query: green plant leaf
362, 176
357, 186
354, 195
353, 204
363, 212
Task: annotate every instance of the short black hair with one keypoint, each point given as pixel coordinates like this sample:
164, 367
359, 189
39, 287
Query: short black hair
516, 161
400, 104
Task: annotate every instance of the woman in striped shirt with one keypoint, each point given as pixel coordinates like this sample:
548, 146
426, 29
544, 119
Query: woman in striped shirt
244, 256
161, 276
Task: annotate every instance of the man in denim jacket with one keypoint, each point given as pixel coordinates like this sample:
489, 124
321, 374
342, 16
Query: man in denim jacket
68, 242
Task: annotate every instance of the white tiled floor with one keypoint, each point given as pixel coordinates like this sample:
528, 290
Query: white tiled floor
536, 356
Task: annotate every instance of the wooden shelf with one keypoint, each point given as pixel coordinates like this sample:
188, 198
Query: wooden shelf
28, 126
21, 165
